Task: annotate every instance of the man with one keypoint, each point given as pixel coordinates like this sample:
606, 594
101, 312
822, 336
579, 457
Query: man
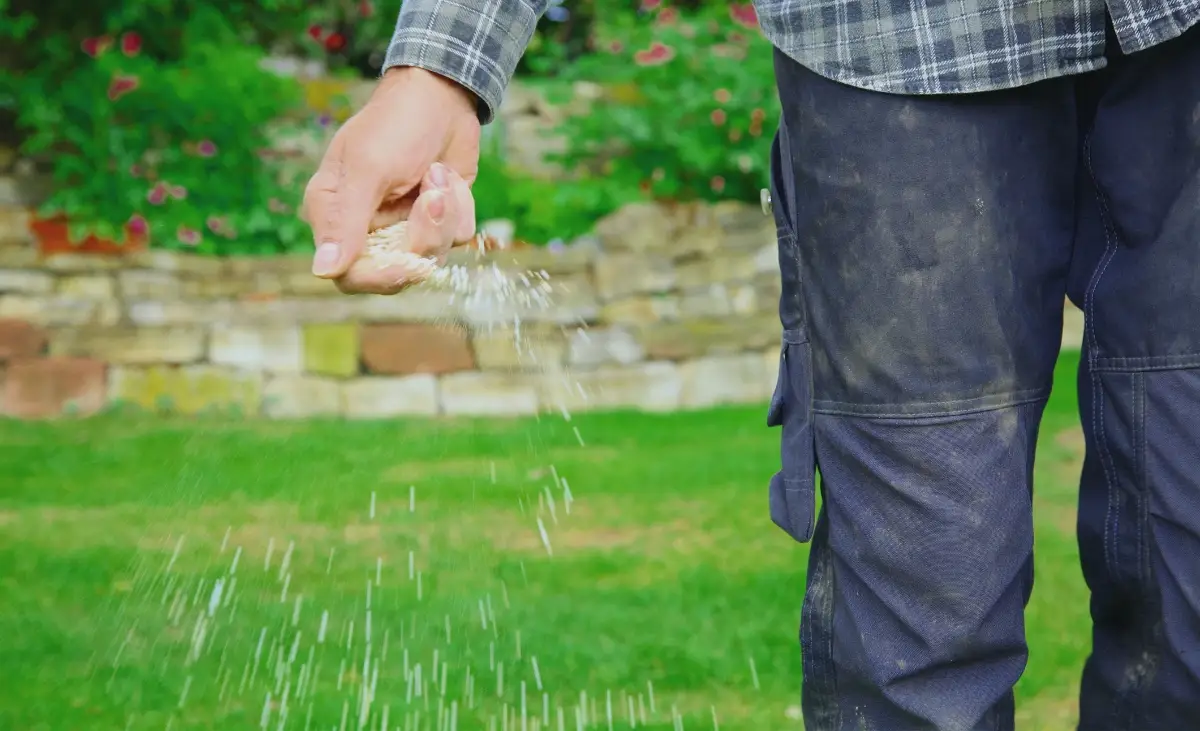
944, 173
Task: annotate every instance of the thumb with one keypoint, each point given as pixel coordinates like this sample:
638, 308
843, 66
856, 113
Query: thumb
339, 203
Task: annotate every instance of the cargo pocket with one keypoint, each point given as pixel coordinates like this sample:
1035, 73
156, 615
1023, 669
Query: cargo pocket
792, 494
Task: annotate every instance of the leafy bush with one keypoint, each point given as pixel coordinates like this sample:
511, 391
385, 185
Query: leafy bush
690, 100
168, 142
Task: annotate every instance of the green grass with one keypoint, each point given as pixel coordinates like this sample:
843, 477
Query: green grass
666, 570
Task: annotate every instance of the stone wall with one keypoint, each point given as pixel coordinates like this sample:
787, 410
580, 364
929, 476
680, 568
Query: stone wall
662, 309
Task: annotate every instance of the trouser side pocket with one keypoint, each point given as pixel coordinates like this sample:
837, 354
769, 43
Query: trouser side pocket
792, 493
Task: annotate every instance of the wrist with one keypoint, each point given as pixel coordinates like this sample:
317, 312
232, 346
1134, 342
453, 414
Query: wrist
415, 76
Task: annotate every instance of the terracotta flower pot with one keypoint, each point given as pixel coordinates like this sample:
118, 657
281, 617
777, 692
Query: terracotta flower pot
53, 238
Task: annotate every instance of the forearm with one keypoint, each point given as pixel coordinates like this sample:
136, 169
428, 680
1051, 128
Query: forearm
476, 43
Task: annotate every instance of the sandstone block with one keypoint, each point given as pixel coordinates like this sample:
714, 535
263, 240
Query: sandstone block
716, 269
1072, 328
20, 339
598, 346
187, 390
271, 349
529, 348
639, 227
651, 386
707, 302
641, 310
725, 379
403, 349
384, 397
299, 397
179, 312
304, 284
25, 281
131, 346
331, 349
14, 226
620, 275
417, 305
58, 310
475, 393
175, 262
36, 388
87, 286
149, 284
692, 338
766, 259
76, 263
292, 311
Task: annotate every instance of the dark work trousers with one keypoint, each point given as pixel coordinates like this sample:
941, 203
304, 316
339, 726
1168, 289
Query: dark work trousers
926, 246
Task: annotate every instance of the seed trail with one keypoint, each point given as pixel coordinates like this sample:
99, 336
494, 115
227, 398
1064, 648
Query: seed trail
754, 674
545, 537
372, 505
412, 498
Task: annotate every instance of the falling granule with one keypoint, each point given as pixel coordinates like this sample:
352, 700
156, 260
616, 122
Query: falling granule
578, 436
448, 629
287, 581
372, 505
550, 503
524, 711
632, 717
329, 565
324, 627
214, 600
493, 468
265, 717
537, 674
545, 537
175, 554
225, 540
187, 686
270, 550
650, 692
642, 708
754, 674
716, 723
608, 713
499, 680
378, 570
568, 498
412, 498
418, 586
562, 721
287, 559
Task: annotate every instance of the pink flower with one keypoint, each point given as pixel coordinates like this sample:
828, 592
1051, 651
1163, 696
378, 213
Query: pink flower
131, 44
744, 15
94, 47
717, 183
668, 16
188, 236
121, 85
316, 32
366, 8
206, 148
718, 117
656, 55
178, 192
616, 47
275, 205
722, 96
157, 195
137, 225
649, 5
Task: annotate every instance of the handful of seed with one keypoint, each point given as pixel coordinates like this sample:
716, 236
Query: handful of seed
387, 249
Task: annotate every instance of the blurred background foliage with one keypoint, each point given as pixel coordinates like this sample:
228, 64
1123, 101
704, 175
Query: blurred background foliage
165, 117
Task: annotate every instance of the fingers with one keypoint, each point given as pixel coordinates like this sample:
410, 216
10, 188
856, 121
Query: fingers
433, 223
340, 202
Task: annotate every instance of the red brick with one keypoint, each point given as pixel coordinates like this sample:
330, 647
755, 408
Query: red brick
36, 388
398, 349
20, 339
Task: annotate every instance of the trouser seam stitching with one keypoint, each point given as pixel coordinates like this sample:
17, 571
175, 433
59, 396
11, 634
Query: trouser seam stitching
1112, 511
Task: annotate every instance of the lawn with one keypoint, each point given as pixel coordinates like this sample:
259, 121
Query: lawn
220, 574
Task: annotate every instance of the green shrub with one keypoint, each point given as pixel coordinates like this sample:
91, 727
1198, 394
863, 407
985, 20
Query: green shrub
167, 141
689, 108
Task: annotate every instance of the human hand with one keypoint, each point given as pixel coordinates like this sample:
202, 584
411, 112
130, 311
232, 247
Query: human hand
410, 154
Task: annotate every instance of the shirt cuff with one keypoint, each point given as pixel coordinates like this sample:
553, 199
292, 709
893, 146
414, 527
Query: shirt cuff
476, 43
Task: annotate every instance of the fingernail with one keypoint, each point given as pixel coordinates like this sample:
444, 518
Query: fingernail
325, 261
436, 206
437, 173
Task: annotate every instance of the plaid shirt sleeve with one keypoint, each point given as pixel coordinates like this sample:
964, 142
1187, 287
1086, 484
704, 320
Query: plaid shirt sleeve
474, 42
